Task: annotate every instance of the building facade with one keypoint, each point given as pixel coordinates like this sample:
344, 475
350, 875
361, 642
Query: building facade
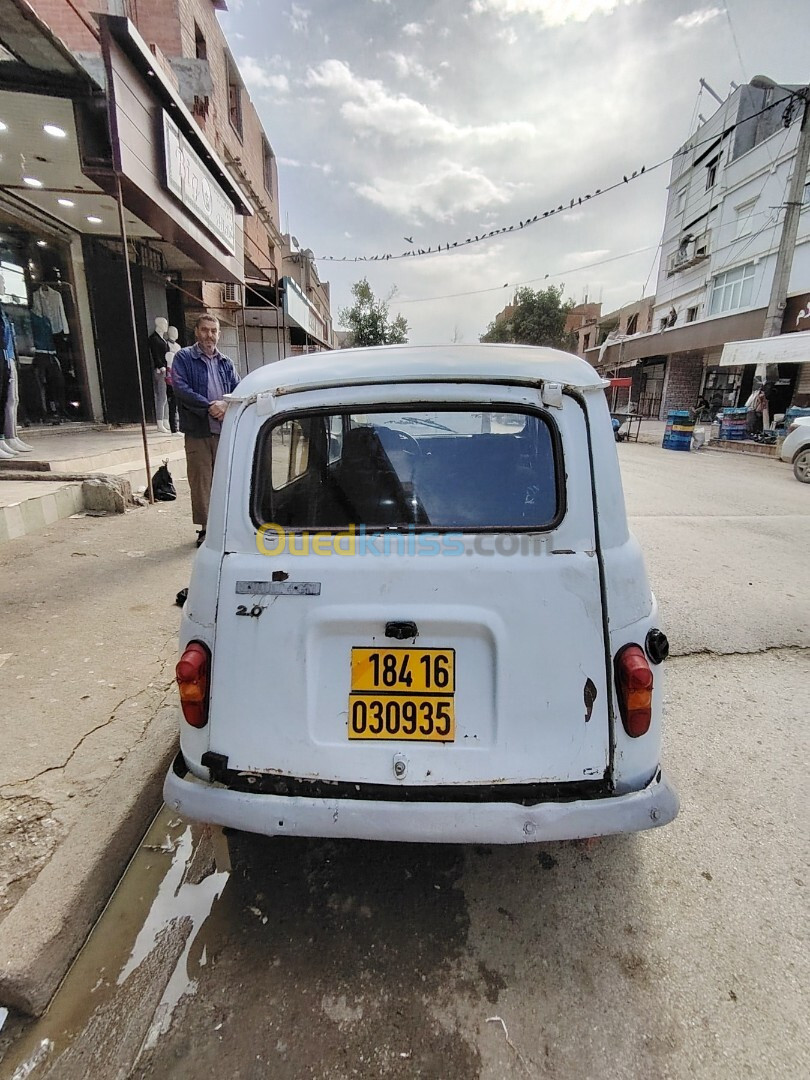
721, 234
143, 101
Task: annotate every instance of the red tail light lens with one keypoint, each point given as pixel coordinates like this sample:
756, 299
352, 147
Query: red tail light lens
634, 689
192, 674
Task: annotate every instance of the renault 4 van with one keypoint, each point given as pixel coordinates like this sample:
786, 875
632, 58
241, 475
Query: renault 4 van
418, 613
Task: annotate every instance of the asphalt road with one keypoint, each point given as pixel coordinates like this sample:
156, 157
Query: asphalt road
676, 953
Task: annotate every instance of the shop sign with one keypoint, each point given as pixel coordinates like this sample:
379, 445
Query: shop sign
301, 311
190, 181
797, 314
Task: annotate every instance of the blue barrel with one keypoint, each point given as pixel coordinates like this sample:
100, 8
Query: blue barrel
733, 425
678, 432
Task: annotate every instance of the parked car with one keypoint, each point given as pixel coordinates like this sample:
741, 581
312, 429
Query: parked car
418, 613
796, 448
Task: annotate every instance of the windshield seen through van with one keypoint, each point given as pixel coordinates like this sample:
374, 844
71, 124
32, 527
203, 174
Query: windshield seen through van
445, 469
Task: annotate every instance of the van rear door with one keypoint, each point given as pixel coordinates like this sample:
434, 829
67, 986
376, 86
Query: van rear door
412, 592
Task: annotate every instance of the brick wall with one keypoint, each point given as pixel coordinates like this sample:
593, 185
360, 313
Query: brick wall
683, 383
67, 25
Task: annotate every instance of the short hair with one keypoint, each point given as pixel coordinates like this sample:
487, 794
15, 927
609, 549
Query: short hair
205, 318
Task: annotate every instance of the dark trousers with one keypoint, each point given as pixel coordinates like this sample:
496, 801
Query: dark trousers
172, 403
200, 457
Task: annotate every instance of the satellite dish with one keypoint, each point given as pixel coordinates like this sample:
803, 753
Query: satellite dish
295, 241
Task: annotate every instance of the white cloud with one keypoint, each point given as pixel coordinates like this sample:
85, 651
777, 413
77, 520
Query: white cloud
553, 12
450, 189
299, 19
294, 163
697, 18
408, 67
257, 77
413, 29
371, 107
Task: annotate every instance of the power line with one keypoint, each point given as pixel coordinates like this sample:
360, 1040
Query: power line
444, 247
734, 39
527, 281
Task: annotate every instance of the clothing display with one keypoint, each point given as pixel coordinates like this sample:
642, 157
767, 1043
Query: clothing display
48, 302
8, 378
157, 349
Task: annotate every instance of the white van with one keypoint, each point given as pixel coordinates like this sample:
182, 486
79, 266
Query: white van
418, 613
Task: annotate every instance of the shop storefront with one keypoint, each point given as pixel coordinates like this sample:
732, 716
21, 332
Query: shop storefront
38, 296
782, 363
86, 175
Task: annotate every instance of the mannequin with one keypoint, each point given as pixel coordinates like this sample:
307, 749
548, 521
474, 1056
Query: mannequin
10, 444
157, 351
172, 348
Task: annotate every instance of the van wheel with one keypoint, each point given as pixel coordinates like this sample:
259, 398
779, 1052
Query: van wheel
801, 466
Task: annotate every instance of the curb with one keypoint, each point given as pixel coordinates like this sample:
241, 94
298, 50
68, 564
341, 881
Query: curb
42, 934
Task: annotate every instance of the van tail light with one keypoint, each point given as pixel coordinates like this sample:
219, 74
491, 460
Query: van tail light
192, 672
634, 689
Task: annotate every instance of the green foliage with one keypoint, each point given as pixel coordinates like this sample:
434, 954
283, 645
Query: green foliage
368, 321
535, 318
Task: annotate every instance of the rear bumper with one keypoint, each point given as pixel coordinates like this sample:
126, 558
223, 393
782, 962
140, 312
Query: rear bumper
446, 822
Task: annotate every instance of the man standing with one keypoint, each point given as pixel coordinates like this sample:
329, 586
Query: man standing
201, 377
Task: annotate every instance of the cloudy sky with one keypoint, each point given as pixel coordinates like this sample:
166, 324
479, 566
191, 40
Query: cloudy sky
439, 120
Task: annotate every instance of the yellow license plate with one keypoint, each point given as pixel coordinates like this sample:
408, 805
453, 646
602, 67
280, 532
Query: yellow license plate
403, 694
404, 671
392, 716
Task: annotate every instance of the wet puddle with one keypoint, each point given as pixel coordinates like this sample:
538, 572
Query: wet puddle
144, 955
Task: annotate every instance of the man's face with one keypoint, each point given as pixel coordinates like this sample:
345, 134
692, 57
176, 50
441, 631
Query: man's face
207, 335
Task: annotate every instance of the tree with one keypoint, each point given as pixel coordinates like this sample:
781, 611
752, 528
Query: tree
534, 318
368, 322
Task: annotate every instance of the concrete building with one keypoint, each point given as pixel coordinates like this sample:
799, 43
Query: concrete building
718, 251
581, 322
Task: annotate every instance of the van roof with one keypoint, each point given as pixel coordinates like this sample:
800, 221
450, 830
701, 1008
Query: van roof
420, 363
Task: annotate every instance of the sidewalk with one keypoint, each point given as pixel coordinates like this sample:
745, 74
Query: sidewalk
40, 488
88, 724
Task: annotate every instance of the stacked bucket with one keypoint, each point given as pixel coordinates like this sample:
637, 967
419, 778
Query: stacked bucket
679, 429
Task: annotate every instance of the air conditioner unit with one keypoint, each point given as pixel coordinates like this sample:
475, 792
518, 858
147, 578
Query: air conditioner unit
232, 294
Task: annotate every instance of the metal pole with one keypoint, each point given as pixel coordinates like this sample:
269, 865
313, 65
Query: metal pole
281, 331
119, 199
790, 228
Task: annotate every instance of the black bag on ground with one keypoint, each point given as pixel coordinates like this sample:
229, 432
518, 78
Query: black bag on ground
163, 485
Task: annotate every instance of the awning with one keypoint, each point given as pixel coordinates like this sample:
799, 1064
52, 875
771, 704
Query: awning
783, 349
691, 337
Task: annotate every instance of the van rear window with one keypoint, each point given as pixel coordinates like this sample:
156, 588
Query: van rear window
447, 469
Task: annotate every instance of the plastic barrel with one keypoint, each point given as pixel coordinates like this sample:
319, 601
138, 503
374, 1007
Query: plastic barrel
733, 425
678, 432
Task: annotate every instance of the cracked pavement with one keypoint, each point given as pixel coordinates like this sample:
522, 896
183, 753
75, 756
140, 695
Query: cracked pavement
88, 650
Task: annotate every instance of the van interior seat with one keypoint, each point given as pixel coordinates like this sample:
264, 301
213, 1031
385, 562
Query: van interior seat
367, 483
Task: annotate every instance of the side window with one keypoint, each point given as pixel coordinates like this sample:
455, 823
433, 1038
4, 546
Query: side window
289, 453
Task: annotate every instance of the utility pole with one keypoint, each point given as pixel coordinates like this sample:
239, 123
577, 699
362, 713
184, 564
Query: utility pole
790, 226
